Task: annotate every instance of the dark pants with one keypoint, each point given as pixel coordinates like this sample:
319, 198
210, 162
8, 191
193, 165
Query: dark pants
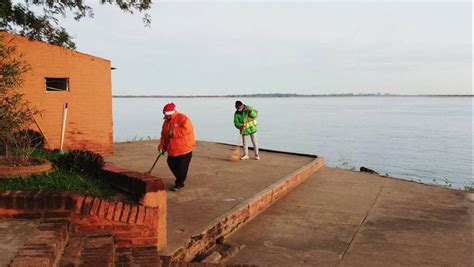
179, 167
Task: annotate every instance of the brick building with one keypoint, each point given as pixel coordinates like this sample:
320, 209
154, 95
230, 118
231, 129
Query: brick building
61, 78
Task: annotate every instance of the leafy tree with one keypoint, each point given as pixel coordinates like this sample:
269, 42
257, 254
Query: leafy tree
38, 19
16, 115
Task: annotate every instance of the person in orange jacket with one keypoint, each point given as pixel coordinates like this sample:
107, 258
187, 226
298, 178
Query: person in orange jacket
177, 139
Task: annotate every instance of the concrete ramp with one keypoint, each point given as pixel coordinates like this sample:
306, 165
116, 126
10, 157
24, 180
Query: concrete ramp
344, 218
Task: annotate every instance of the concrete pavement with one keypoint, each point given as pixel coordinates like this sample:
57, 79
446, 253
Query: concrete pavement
334, 217
339, 217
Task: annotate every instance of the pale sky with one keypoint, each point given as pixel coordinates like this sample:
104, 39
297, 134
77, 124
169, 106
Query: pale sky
232, 47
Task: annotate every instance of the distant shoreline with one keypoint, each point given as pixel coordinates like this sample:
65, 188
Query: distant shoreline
281, 95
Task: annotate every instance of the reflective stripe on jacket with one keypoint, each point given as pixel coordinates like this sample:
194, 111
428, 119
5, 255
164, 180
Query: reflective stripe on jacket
177, 135
248, 116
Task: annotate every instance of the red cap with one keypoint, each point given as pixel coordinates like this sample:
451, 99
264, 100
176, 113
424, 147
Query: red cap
169, 109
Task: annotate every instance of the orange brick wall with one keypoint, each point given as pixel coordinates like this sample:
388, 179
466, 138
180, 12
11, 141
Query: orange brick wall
89, 120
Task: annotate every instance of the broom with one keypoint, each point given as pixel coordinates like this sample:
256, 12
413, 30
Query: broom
235, 156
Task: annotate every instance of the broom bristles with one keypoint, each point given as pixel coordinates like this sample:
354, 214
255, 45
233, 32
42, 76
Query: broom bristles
235, 154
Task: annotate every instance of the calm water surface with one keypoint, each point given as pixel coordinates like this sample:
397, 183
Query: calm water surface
426, 139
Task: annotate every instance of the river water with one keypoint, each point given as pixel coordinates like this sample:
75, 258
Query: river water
425, 139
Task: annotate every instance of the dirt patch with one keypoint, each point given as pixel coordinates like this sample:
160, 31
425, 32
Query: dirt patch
35, 166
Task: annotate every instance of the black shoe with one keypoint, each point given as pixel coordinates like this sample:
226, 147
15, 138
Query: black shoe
177, 187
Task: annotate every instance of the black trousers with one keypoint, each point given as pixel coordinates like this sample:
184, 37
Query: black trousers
179, 167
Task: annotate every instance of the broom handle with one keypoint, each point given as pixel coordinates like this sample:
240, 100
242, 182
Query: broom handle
152, 167
39, 128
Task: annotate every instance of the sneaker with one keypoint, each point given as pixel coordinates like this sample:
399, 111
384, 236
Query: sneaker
244, 157
257, 157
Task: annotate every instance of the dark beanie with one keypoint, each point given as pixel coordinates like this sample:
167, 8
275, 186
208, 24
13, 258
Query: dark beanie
238, 104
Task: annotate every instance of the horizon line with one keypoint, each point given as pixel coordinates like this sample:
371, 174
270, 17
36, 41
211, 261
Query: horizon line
295, 95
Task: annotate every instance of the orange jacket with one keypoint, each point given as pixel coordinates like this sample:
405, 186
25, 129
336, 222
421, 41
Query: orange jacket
177, 135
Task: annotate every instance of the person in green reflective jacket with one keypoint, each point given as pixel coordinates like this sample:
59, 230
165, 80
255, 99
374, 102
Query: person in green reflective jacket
245, 119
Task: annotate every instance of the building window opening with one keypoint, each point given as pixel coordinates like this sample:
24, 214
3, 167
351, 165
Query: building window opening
57, 84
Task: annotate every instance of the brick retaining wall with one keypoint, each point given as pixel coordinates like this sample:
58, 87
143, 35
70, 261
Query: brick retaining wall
131, 225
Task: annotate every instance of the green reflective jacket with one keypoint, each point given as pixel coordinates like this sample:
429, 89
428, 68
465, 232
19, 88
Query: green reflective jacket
247, 117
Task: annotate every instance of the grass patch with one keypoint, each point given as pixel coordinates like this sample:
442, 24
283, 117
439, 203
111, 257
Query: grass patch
75, 171
45, 154
60, 181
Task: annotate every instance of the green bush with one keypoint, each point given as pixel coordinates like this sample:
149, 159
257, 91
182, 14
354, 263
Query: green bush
80, 161
60, 181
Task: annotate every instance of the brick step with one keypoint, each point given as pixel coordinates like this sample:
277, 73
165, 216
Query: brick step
92, 250
137, 256
45, 246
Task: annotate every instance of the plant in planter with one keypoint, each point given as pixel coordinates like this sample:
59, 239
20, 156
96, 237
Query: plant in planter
80, 161
75, 171
17, 143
